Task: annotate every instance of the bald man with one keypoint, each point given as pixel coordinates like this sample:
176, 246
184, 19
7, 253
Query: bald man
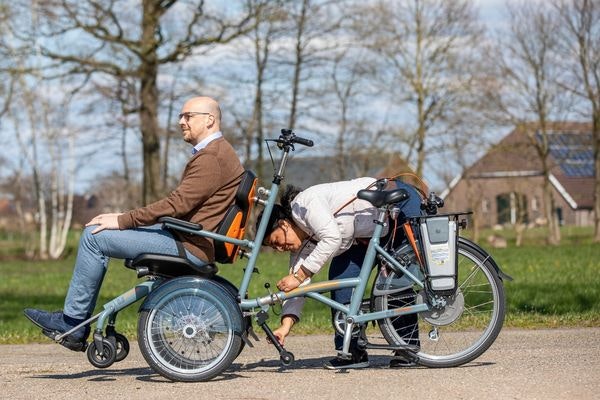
206, 190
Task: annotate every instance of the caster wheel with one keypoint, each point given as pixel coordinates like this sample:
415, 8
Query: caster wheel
104, 360
122, 347
287, 358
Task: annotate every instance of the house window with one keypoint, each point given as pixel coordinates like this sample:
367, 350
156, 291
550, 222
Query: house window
511, 208
559, 215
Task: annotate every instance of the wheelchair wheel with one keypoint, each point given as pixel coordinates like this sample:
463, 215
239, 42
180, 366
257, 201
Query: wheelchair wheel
192, 331
247, 321
463, 329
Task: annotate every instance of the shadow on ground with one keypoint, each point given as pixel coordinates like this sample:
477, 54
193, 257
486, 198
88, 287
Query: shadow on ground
235, 371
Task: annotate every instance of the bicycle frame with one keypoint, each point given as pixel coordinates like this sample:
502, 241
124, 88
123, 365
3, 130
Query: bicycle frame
313, 290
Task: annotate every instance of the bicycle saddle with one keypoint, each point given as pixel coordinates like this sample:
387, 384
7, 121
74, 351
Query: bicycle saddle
382, 197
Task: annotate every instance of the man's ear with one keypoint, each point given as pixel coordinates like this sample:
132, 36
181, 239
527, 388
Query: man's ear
210, 121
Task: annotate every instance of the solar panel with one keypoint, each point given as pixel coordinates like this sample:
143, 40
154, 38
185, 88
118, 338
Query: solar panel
573, 152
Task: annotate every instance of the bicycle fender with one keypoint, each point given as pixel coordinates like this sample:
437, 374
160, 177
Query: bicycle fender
185, 282
501, 274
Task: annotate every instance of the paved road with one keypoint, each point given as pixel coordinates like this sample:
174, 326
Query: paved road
542, 364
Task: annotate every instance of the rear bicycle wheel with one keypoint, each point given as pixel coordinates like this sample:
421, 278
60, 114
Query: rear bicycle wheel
191, 333
461, 330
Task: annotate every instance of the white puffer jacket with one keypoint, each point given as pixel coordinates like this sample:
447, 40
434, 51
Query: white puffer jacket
313, 211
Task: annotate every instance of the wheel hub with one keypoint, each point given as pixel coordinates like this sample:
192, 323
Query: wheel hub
191, 326
446, 314
189, 331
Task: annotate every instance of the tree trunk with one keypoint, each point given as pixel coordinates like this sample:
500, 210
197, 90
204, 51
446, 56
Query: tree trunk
298, 64
420, 91
553, 223
62, 207
261, 57
596, 139
149, 104
168, 134
340, 156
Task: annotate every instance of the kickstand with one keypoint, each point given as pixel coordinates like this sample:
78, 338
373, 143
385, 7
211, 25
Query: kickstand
285, 356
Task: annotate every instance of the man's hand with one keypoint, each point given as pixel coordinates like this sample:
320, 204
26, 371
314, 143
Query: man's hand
104, 221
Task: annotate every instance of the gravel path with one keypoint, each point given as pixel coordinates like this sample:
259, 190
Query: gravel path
522, 364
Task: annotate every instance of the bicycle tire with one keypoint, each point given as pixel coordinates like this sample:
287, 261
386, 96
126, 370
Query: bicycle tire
465, 334
191, 331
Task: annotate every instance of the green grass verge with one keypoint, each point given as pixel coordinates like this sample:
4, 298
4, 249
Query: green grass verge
552, 287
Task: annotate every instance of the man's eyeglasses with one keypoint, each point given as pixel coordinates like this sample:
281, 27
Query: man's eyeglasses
190, 114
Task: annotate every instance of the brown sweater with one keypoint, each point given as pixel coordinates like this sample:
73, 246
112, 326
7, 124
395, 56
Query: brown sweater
207, 188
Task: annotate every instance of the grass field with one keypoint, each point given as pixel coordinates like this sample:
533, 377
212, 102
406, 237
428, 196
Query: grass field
552, 287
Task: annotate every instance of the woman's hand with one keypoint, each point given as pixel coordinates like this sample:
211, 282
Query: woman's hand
286, 326
288, 283
281, 333
292, 281
104, 221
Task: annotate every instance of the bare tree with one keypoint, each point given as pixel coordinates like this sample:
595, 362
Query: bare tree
314, 23
111, 39
528, 87
348, 74
425, 47
53, 168
581, 40
267, 28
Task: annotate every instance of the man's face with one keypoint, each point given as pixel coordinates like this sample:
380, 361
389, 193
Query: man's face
194, 121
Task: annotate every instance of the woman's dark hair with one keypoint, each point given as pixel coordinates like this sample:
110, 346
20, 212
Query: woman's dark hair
280, 211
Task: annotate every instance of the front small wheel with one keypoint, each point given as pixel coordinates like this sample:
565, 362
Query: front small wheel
104, 360
122, 347
192, 331
286, 358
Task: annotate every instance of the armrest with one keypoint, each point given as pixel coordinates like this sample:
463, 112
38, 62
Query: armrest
179, 223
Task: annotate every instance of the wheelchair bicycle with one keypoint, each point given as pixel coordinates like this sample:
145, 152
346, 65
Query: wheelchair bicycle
193, 323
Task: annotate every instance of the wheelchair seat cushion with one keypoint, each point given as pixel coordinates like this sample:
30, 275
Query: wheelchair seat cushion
169, 266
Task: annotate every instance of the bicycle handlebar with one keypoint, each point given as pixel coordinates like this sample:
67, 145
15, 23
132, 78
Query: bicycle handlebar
304, 142
288, 138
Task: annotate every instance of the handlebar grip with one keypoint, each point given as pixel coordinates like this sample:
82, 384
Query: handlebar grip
304, 142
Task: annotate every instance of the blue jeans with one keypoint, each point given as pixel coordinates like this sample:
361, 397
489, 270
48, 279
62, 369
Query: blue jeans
345, 265
96, 250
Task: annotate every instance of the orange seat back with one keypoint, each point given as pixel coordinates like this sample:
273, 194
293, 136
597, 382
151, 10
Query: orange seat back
236, 219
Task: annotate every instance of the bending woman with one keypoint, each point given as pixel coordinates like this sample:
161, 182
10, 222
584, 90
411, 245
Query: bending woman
318, 225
